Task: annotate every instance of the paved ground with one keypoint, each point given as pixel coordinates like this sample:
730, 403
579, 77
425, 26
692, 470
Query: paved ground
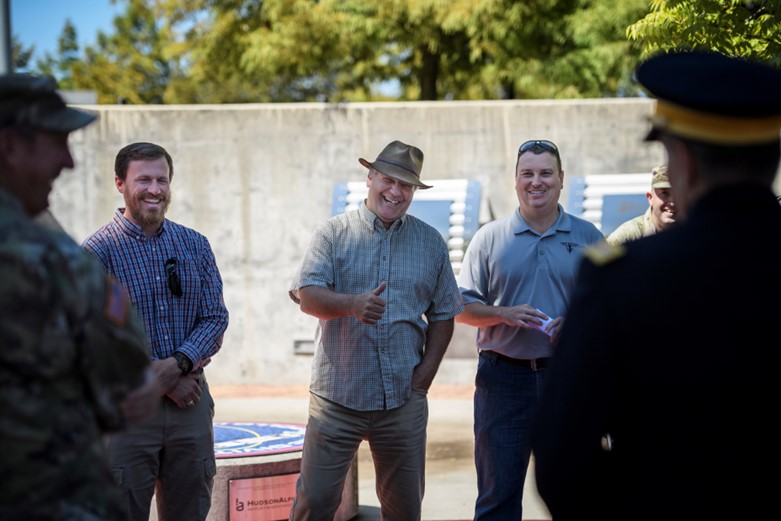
450, 475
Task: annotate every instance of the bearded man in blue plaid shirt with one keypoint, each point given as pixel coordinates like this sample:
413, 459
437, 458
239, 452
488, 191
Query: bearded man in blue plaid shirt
171, 275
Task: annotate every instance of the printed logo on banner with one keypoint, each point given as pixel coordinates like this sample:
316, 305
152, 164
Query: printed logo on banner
262, 499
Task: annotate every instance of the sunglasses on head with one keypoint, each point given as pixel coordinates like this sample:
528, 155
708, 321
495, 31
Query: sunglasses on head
539, 146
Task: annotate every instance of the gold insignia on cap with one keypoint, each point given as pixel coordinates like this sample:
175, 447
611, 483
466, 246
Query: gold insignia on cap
715, 128
603, 252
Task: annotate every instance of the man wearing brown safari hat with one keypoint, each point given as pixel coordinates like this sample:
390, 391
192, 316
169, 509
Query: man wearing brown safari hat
400, 161
370, 275
74, 362
679, 425
659, 216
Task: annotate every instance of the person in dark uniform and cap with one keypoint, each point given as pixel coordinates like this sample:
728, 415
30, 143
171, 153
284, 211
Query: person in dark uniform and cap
74, 362
637, 426
371, 275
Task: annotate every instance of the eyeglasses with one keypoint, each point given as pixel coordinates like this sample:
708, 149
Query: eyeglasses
174, 283
538, 146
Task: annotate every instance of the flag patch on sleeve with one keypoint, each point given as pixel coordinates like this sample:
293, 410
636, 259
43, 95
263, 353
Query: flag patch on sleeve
117, 304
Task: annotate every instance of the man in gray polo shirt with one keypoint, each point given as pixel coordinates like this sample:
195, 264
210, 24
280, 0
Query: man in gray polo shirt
515, 282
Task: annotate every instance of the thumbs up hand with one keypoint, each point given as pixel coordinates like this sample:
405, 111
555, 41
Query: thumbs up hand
368, 307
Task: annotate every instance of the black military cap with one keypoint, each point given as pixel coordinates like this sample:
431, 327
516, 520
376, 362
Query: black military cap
713, 98
33, 102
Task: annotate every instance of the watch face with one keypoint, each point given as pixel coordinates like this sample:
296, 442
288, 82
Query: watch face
181, 363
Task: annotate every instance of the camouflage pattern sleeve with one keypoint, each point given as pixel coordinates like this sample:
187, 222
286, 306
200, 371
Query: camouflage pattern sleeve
112, 347
68, 326
628, 231
114, 353
72, 348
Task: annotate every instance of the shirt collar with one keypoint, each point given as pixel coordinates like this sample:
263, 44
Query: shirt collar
132, 229
563, 222
372, 221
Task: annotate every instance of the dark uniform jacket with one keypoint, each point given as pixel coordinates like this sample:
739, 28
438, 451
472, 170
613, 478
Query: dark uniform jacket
670, 347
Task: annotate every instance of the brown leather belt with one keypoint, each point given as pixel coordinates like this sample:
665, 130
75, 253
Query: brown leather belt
533, 364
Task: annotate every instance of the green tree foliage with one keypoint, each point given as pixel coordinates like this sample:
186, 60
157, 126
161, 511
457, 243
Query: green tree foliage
601, 61
129, 65
333, 50
750, 29
20, 55
67, 56
218, 51
210, 37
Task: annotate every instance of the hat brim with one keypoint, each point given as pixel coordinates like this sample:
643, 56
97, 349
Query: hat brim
66, 120
395, 172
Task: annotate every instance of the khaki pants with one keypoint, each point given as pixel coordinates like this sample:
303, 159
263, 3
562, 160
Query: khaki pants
397, 441
172, 454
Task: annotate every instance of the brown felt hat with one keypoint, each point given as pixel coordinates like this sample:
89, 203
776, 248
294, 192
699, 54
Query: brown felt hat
399, 161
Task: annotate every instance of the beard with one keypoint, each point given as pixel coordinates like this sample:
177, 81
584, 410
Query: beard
149, 218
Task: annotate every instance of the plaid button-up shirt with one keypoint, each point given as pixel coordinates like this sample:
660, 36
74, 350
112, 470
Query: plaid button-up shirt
369, 367
193, 323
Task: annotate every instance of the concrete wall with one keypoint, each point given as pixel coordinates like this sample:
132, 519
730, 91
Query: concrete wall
257, 179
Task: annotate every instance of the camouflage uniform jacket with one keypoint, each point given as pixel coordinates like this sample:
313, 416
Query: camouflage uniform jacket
72, 347
640, 226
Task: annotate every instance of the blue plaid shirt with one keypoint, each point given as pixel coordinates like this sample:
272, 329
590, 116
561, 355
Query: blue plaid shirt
193, 323
369, 367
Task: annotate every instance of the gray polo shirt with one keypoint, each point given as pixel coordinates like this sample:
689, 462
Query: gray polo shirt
507, 264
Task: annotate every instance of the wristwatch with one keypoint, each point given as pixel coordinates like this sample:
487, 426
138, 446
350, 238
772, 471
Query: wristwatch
183, 363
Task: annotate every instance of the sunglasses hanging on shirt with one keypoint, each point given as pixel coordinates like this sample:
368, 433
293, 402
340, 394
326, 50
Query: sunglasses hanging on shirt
174, 283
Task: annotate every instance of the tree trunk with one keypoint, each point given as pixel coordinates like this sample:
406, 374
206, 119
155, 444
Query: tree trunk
428, 76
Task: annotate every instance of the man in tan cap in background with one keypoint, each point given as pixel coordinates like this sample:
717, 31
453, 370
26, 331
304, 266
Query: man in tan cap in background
659, 216
370, 275
74, 362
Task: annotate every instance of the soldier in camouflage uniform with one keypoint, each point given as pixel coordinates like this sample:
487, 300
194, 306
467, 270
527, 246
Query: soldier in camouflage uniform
659, 216
74, 361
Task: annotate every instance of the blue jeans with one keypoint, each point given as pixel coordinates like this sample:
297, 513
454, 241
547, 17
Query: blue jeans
506, 398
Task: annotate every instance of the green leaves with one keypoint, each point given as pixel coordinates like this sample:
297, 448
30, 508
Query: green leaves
234, 51
751, 29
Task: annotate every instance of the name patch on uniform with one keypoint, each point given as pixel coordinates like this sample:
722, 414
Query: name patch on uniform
116, 305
